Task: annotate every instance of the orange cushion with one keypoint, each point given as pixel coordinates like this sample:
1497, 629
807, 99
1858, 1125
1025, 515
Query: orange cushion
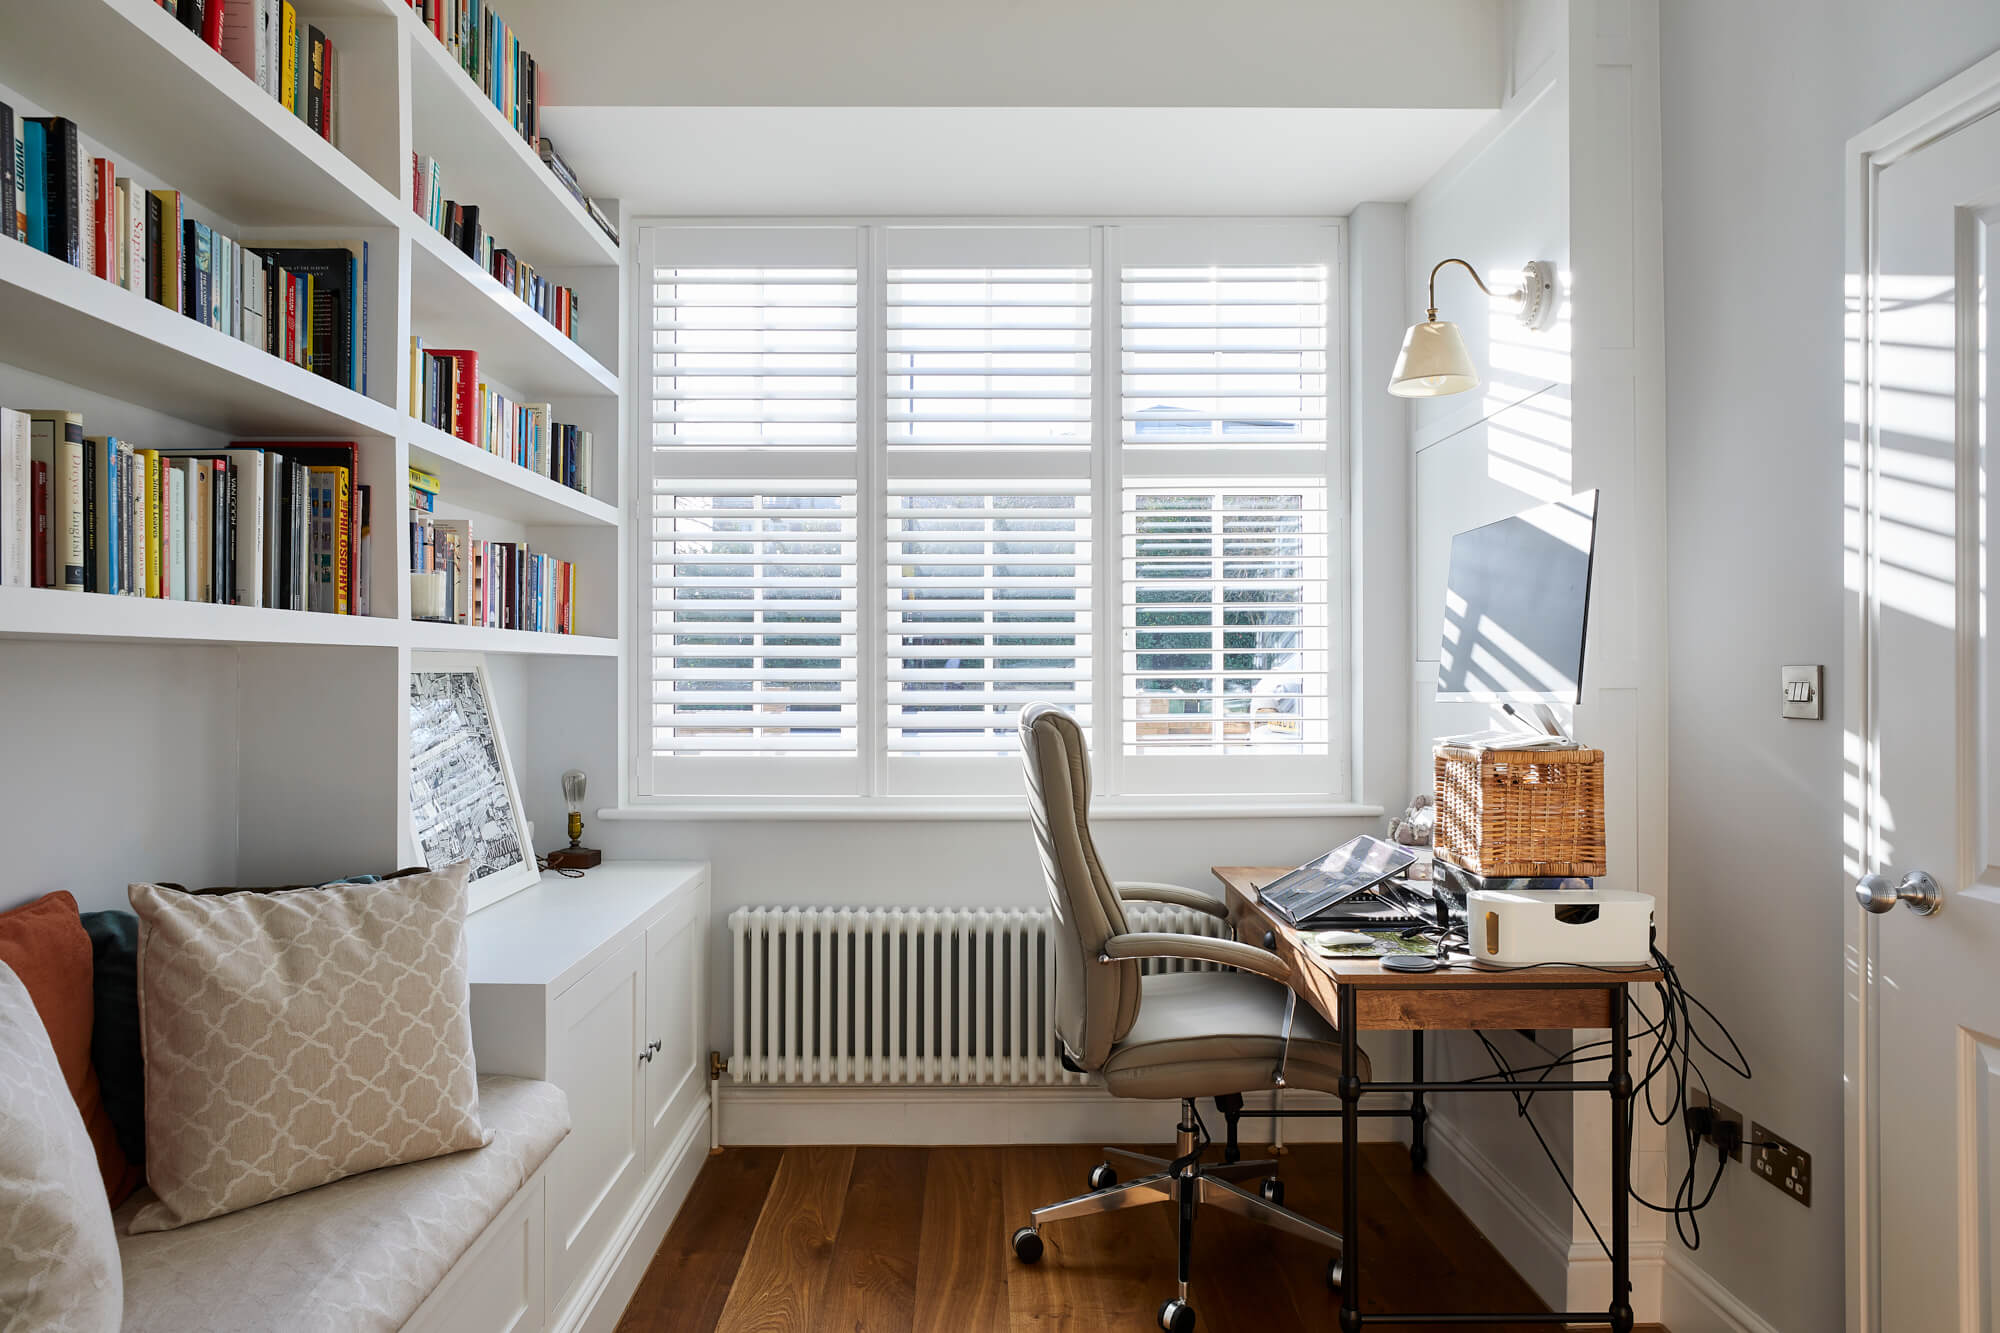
46, 945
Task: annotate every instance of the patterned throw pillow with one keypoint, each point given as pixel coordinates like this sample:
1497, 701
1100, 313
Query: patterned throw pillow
58, 1252
298, 1037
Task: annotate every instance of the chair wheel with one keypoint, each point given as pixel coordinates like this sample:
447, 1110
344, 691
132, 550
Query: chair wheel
1027, 1245
1177, 1316
1102, 1177
1273, 1191
1333, 1274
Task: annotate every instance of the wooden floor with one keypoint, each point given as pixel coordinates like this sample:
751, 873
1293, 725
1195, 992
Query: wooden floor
902, 1240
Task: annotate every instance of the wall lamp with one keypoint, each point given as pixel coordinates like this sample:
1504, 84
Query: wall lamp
1434, 361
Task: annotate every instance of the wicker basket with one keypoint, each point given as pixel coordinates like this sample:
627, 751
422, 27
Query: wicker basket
1520, 812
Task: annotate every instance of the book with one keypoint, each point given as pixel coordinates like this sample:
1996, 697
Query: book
165, 232
64, 445
461, 409
288, 55
9, 217
328, 490
201, 521
16, 514
104, 235
329, 313
213, 12
149, 486
105, 523
241, 43
132, 473
315, 77
20, 178
63, 234
246, 479
43, 430
175, 521
34, 184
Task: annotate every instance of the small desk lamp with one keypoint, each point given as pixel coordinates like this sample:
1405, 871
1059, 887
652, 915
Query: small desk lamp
1434, 361
575, 856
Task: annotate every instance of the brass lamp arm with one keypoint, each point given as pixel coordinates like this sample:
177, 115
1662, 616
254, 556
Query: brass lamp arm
1433, 308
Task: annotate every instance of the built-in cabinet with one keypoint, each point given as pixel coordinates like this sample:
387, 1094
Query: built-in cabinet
597, 985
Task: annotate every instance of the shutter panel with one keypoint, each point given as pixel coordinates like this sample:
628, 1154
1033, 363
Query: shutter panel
987, 356
988, 608
754, 620
754, 357
1225, 619
1217, 354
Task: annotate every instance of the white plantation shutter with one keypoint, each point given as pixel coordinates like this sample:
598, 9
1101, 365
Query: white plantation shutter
1225, 620
908, 477
1221, 354
988, 609
754, 622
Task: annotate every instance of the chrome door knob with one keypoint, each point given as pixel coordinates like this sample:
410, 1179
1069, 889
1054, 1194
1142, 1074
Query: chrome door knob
1918, 889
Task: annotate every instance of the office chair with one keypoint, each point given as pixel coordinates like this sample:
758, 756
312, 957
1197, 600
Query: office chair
1182, 1035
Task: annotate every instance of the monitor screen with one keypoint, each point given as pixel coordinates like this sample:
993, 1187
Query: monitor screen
1516, 603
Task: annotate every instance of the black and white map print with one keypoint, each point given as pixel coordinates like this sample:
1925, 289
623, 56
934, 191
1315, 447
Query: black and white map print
458, 793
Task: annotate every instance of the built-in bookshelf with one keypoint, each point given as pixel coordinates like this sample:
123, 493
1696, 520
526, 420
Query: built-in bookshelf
176, 114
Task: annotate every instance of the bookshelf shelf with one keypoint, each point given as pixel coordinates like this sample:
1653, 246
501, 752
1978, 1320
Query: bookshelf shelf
486, 162
427, 637
43, 613
484, 482
453, 303
73, 326
154, 94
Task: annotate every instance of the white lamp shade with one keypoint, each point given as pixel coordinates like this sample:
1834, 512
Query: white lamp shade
1433, 362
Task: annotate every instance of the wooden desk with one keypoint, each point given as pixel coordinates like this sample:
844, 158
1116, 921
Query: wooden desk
1358, 994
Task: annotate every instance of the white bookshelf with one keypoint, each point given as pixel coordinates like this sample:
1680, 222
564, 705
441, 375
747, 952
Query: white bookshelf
174, 114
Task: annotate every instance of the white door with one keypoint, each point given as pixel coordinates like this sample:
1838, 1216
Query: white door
596, 1051
675, 1077
1922, 781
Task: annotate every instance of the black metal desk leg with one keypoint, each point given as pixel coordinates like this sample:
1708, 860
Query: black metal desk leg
1419, 1117
1350, 1163
1621, 1167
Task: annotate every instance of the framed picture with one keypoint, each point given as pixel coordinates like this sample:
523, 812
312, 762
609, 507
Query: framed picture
464, 805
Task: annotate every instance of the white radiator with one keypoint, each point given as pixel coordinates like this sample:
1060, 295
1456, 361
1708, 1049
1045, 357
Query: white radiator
894, 995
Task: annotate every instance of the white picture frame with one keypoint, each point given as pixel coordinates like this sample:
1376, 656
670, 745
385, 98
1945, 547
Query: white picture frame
463, 800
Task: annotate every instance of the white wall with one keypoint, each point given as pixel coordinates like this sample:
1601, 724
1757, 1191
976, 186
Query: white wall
1034, 53
1478, 457
120, 765
1759, 100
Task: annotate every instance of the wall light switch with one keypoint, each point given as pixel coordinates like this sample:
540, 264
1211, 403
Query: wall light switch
1804, 687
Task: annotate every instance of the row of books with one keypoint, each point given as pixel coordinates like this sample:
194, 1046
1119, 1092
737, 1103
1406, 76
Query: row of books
269, 525
459, 224
491, 54
447, 392
306, 305
460, 579
553, 160
292, 61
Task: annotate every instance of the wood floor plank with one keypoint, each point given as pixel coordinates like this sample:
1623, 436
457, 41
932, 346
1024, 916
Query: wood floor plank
779, 1286
871, 1281
688, 1281
1105, 1272
962, 1265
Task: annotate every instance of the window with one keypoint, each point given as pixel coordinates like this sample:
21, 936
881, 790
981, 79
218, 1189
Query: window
906, 478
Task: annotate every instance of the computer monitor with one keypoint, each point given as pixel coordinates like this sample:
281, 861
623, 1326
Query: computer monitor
1516, 605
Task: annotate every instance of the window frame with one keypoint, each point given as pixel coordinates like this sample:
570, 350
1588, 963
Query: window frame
1221, 785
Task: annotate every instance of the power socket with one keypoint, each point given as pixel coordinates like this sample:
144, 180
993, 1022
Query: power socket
1722, 1113
1783, 1163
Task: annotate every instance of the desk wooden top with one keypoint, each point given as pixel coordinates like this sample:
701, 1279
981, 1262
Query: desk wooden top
1452, 997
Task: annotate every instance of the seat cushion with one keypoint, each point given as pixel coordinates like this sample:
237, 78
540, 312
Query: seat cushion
359, 1254
1206, 1034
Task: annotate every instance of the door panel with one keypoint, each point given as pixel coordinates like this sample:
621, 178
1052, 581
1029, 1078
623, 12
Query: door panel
1923, 744
596, 1037
675, 1076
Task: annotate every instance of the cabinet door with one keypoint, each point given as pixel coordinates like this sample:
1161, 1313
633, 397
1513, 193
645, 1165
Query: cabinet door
676, 1076
595, 1038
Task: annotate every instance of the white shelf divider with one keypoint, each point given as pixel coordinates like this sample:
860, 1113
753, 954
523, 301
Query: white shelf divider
454, 303
45, 613
431, 637
490, 484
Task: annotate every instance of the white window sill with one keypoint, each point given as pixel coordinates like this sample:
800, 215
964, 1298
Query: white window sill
995, 808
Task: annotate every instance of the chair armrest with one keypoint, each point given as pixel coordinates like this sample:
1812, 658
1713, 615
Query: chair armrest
1135, 890
1200, 949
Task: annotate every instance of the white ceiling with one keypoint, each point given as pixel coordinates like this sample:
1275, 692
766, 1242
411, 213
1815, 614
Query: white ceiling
819, 161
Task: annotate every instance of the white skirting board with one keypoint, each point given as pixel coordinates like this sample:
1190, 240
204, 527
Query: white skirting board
1694, 1302
762, 1114
601, 1294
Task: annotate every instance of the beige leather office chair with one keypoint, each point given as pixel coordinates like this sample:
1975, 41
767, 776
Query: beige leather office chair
1181, 1035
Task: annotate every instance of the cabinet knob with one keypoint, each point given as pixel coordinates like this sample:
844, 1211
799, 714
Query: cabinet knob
646, 1055
654, 1047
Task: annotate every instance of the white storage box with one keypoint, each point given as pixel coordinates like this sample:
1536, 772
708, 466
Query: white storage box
1600, 927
